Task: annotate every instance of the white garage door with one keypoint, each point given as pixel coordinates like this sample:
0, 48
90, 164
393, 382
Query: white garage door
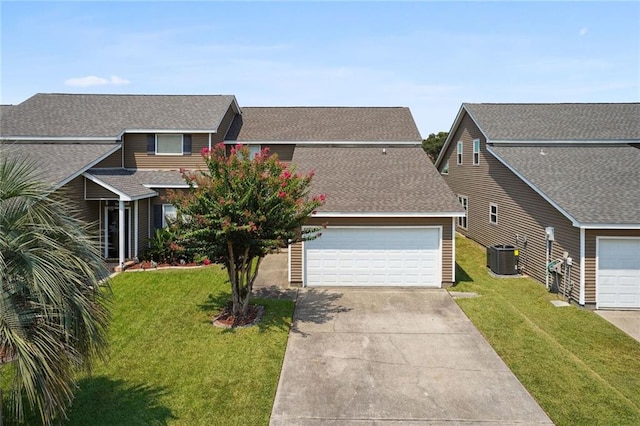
618, 274
374, 257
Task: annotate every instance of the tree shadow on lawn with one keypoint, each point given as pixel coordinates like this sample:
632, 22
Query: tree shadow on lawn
276, 313
103, 401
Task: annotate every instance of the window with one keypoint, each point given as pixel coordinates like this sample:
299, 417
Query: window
476, 152
168, 212
493, 213
168, 144
445, 168
462, 221
459, 152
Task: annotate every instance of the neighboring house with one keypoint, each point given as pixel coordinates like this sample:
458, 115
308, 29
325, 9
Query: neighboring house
521, 169
390, 216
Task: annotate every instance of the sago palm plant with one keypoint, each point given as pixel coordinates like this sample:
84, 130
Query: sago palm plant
53, 306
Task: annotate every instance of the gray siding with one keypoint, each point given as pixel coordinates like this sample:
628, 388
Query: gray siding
93, 191
112, 161
521, 211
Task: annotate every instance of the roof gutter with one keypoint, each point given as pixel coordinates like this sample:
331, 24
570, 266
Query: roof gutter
389, 214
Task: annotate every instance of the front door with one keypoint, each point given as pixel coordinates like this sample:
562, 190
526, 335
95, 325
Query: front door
111, 233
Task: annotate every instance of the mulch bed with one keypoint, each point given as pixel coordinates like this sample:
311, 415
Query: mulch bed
226, 320
146, 265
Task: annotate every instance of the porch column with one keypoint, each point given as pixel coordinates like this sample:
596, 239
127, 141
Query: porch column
121, 235
135, 228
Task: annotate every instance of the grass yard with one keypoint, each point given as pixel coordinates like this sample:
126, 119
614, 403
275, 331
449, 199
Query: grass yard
580, 368
168, 364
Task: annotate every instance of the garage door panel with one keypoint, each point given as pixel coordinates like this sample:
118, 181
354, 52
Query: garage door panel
618, 273
374, 257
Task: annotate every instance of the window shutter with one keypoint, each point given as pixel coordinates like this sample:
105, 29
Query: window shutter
151, 144
157, 216
186, 145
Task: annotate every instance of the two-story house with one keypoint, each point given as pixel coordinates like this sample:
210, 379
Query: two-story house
390, 215
557, 182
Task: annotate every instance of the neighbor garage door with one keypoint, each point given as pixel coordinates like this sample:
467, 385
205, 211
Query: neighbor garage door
361, 256
618, 273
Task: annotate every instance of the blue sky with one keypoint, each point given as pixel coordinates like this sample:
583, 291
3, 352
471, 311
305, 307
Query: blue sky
429, 56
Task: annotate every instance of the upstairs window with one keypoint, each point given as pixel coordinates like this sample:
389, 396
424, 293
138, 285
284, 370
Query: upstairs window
445, 168
493, 213
462, 221
168, 144
476, 152
459, 152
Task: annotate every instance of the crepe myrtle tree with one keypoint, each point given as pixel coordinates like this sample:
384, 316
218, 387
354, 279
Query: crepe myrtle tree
239, 209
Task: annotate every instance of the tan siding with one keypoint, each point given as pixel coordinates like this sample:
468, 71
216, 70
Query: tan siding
135, 153
143, 225
590, 256
521, 211
447, 243
88, 211
284, 152
114, 160
296, 263
96, 192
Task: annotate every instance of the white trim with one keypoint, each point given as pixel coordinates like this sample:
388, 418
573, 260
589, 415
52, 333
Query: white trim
459, 153
169, 154
289, 263
473, 148
148, 220
583, 279
314, 143
453, 250
135, 229
304, 265
387, 214
167, 131
598, 239
465, 206
491, 214
83, 139
162, 185
610, 226
557, 142
86, 167
535, 188
121, 195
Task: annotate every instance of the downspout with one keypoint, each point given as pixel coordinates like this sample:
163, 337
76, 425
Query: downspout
121, 239
209, 141
135, 228
582, 266
453, 250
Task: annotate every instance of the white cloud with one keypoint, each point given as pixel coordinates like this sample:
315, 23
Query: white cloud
93, 80
583, 31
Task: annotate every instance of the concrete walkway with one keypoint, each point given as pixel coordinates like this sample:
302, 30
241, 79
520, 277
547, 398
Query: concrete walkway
393, 356
627, 321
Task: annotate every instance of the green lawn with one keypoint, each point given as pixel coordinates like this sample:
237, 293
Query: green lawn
168, 364
580, 368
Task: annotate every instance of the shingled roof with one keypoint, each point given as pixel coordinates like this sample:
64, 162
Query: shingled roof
593, 184
136, 184
368, 180
50, 115
324, 124
559, 122
58, 163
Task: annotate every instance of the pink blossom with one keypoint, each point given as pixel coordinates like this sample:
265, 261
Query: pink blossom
282, 194
283, 184
286, 174
204, 151
322, 197
206, 261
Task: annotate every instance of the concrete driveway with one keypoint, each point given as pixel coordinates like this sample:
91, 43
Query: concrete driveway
395, 356
627, 321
